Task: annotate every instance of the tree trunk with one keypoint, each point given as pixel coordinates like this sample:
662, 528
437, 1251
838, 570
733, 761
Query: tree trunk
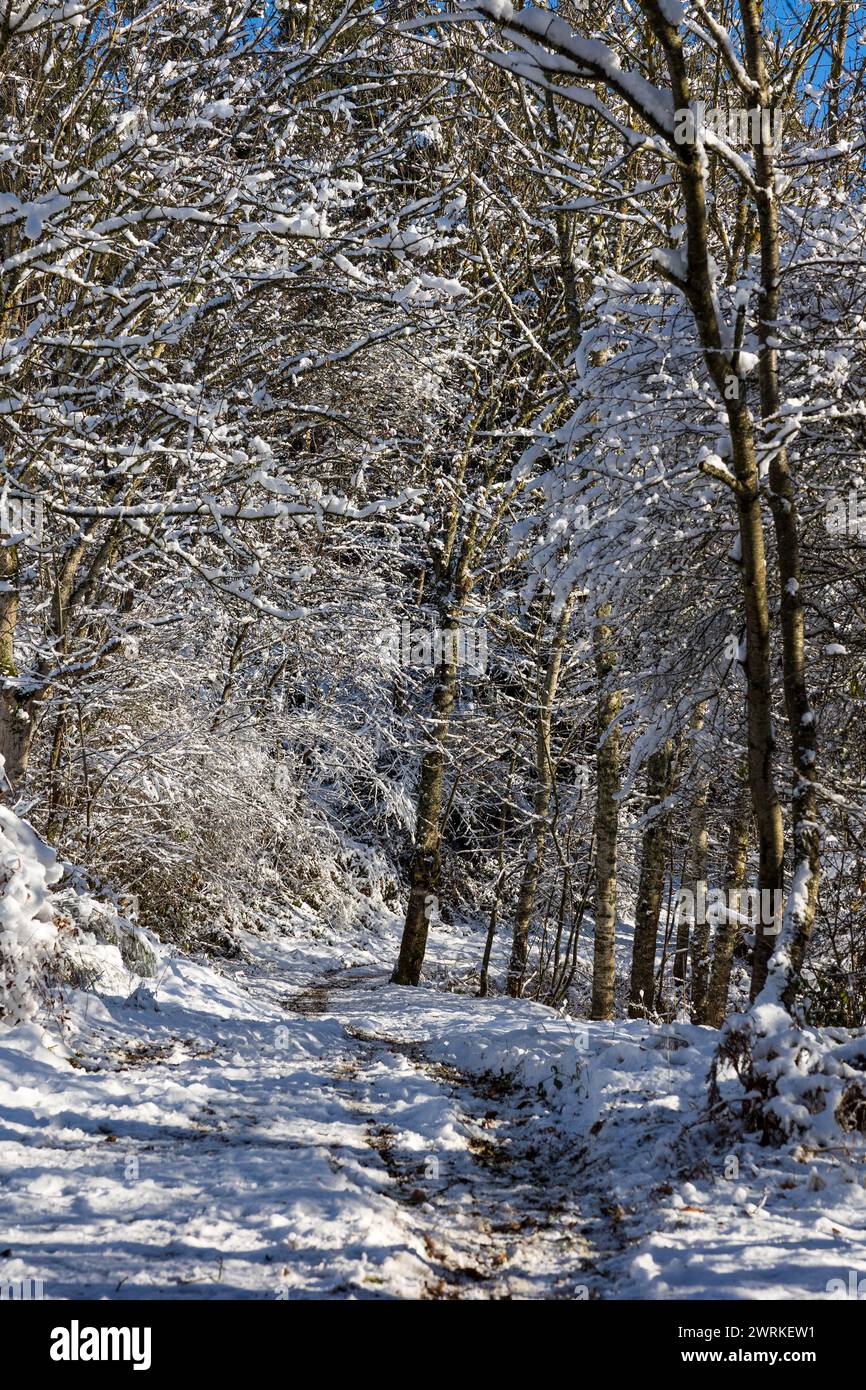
16, 726
761, 743
424, 868
17, 712
652, 877
727, 931
606, 820
698, 884
452, 580
540, 806
58, 745
802, 724
504, 814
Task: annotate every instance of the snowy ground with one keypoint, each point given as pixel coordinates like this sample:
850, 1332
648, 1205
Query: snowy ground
296, 1127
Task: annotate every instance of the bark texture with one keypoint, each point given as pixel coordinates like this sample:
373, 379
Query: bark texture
727, 931
606, 818
652, 876
540, 805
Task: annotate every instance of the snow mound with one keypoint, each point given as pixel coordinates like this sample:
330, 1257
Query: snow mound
799, 1082
52, 937
29, 943
104, 952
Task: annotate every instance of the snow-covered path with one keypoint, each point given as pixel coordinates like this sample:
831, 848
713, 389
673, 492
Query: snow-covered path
251, 1138
483, 1176
293, 1126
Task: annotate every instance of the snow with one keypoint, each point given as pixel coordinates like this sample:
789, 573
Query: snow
673, 11
28, 935
235, 283
670, 262
297, 1127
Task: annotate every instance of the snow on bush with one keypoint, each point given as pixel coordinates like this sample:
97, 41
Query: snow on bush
798, 1082
52, 937
29, 942
103, 950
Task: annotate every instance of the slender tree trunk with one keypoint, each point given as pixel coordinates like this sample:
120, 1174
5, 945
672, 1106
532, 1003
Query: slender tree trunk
424, 869
561, 986
606, 819
453, 583
16, 726
728, 929
700, 940
58, 744
761, 744
837, 62
483, 983
802, 724
606, 827
693, 885
540, 805
652, 877
493, 922
18, 712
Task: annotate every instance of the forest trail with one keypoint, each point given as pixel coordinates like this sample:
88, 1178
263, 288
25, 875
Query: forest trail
292, 1126
497, 1219
282, 1135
